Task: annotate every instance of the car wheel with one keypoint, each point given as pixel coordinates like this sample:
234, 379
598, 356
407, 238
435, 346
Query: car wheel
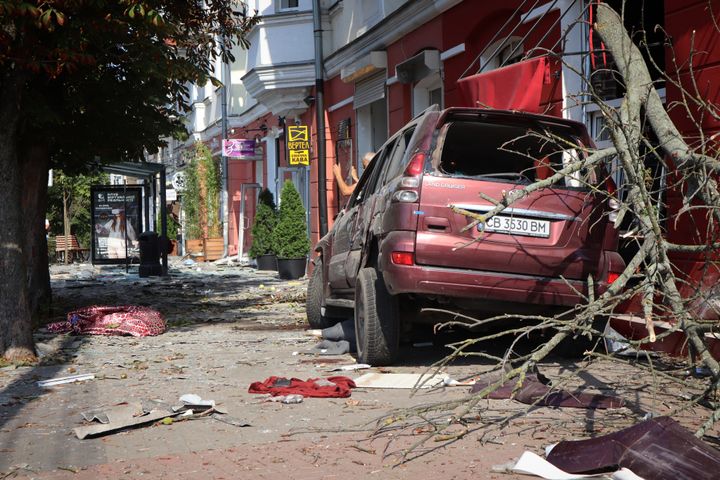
574, 346
316, 298
377, 323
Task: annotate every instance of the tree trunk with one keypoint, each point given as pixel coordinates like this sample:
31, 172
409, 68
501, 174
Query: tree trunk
16, 341
34, 168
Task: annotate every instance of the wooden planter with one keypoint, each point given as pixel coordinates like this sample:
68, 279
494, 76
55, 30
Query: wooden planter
211, 250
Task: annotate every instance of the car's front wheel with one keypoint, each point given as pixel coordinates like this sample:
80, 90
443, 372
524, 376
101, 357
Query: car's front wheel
377, 323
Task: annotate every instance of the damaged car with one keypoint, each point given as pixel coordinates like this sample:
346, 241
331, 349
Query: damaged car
402, 242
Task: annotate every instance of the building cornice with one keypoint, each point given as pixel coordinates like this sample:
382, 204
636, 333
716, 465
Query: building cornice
393, 27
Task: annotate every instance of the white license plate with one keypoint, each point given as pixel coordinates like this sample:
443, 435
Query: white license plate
517, 226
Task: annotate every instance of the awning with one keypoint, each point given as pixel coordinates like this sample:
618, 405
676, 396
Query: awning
418, 67
515, 87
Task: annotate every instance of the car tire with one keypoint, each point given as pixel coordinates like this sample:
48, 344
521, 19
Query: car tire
316, 298
575, 346
377, 323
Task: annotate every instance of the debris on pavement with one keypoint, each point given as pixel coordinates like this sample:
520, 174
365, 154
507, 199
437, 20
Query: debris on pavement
63, 380
337, 340
535, 389
532, 464
331, 387
351, 368
400, 380
658, 449
127, 415
120, 417
293, 398
329, 347
131, 320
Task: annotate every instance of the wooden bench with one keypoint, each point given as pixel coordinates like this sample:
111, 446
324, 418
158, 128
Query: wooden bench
74, 249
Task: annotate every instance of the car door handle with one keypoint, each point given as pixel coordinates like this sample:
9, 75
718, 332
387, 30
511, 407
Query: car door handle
437, 224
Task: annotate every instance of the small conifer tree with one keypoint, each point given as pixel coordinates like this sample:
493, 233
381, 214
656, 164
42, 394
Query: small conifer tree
264, 224
290, 239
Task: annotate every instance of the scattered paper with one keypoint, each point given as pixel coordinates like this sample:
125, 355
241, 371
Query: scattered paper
399, 380
63, 380
351, 368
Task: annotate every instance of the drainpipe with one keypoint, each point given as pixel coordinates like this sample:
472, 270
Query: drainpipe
224, 180
320, 117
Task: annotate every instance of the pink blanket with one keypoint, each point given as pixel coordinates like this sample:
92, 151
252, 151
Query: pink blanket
112, 320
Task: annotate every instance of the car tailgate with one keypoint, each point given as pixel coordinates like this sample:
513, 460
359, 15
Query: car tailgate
553, 232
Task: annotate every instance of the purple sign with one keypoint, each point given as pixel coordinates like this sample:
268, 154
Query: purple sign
239, 148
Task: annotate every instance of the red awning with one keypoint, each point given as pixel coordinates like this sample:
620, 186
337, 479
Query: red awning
515, 87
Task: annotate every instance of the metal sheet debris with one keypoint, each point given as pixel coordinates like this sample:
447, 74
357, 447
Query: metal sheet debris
63, 380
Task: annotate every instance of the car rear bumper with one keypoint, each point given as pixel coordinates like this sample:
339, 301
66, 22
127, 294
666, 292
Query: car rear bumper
434, 281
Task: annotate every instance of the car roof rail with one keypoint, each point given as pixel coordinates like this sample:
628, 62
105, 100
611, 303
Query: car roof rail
431, 108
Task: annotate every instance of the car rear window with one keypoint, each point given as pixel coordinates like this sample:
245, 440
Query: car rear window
508, 153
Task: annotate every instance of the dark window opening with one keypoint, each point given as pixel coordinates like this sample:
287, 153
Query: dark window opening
509, 154
644, 20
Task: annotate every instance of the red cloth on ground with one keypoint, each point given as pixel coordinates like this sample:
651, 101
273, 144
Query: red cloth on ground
112, 320
307, 388
515, 87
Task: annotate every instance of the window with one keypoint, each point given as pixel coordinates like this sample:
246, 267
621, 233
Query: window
368, 182
288, 4
395, 164
509, 154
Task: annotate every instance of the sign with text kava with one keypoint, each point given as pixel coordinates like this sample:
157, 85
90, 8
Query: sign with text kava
298, 142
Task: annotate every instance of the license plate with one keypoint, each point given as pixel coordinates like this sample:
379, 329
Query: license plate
517, 226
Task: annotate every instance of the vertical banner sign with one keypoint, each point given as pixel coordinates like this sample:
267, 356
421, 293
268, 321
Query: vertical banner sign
298, 145
116, 216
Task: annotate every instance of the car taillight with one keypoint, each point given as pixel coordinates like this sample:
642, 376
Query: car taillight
416, 165
402, 258
410, 181
612, 276
406, 196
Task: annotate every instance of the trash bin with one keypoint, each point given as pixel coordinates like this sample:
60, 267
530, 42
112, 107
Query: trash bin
149, 254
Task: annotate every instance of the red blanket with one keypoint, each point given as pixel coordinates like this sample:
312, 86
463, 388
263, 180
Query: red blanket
112, 320
309, 388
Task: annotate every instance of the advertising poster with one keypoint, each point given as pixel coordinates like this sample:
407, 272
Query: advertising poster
117, 218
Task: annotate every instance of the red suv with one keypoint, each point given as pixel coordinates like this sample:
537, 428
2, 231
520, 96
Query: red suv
398, 246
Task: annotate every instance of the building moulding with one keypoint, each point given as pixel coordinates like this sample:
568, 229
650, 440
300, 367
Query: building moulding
282, 88
392, 28
367, 65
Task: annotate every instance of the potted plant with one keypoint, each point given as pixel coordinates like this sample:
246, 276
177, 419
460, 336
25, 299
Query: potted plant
290, 239
201, 203
262, 231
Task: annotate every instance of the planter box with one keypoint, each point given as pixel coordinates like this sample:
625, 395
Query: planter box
266, 262
213, 249
291, 268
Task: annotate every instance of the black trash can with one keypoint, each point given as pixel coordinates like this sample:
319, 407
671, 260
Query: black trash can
149, 255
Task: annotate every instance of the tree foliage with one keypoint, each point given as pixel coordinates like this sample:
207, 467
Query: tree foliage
290, 239
202, 195
266, 219
83, 81
77, 189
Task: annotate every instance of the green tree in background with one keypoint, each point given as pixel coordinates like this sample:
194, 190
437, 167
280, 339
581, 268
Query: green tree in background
69, 205
266, 219
290, 237
201, 198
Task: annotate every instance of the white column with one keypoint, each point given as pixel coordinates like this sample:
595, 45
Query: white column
573, 84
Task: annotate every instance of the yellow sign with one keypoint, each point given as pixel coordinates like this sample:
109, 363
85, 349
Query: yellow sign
299, 157
298, 145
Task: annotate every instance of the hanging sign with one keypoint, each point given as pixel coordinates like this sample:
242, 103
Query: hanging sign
298, 142
240, 148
